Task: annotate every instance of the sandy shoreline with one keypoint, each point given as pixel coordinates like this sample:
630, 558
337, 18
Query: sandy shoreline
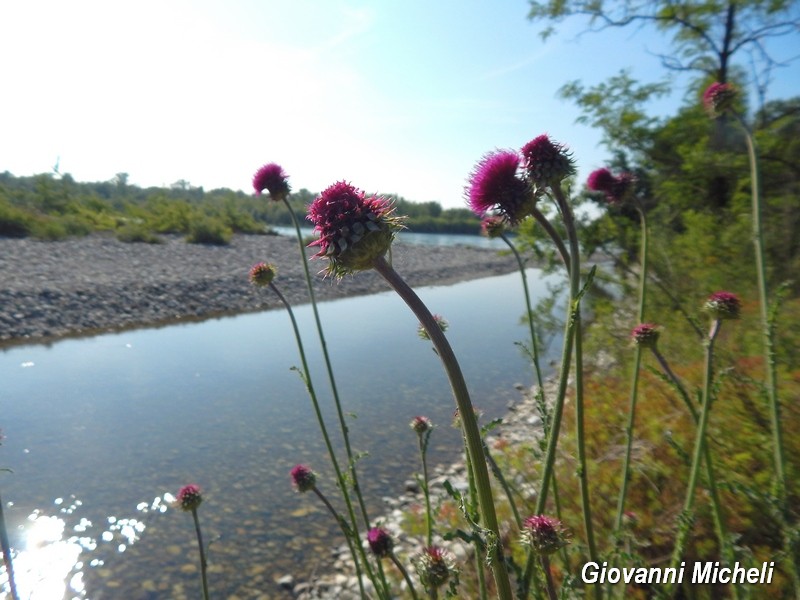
88, 285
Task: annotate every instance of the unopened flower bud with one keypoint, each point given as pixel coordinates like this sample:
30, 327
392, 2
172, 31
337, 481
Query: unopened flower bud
303, 478
723, 305
545, 535
189, 497
262, 274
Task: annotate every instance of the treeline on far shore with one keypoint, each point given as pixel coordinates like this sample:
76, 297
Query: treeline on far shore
51, 206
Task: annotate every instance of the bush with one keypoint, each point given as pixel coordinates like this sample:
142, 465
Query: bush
208, 230
137, 233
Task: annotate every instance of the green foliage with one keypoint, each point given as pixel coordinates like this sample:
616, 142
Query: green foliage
135, 232
209, 230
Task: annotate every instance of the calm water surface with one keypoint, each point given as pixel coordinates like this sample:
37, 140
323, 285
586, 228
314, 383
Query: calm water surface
101, 431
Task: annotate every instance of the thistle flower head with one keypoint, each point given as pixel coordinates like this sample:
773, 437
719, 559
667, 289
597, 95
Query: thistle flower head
304, 478
493, 227
546, 163
380, 542
495, 184
440, 321
189, 497
723, 305
434, 567
353, 229
617, 189
646, 335
545, 535
718, 98
271, 177
262, 274
421, 424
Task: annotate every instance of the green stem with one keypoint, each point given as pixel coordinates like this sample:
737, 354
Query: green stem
405, 575
425, 491
574, 277
469, 422
326, 437
771, 376
685, 524
717, 512
635, 381
548, 576
626, 462
529, 313
201, 547
339, 412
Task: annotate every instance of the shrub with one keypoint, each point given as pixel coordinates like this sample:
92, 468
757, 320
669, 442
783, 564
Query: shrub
137, 233
208, 230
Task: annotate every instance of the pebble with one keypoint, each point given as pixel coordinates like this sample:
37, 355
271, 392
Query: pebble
97, 283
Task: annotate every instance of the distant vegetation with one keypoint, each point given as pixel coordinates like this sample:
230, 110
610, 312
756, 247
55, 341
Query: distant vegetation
53, 207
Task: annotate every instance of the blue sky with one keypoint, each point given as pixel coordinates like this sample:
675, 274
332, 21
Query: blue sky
396, 97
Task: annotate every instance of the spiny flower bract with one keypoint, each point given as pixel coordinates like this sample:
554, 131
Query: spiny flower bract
440, 321
718, 98
380, 542
434, 567
646, 335
421, 424
262, 274
189, 497
303, 477
545, 535
354, 229
546, 163
723, 305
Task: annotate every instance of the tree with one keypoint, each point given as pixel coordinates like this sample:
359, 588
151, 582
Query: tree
706, 35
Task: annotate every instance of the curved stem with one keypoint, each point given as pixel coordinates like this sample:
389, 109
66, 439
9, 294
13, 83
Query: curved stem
529, 313
469, 423
329, 446
405, 575
334, 390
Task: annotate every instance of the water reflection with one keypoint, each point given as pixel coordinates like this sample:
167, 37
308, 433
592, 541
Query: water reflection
116, 419
57, 546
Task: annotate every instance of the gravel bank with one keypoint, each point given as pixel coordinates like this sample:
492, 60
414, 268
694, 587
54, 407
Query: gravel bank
93, 284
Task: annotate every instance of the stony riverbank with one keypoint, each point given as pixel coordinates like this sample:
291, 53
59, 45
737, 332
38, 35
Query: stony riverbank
86, 285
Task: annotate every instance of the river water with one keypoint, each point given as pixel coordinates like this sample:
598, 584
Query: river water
102, 431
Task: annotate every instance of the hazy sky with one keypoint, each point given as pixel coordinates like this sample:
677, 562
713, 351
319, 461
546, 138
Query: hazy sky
398, 97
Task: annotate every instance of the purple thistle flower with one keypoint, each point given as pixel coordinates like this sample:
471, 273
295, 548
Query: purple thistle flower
353, 229
434, 567
189, 497
718, 98
495, 184
303, 478
546, 163
545, 535
262, 274
723, 305
646, 335
271, 177
617, 189
380, 542
421, 424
